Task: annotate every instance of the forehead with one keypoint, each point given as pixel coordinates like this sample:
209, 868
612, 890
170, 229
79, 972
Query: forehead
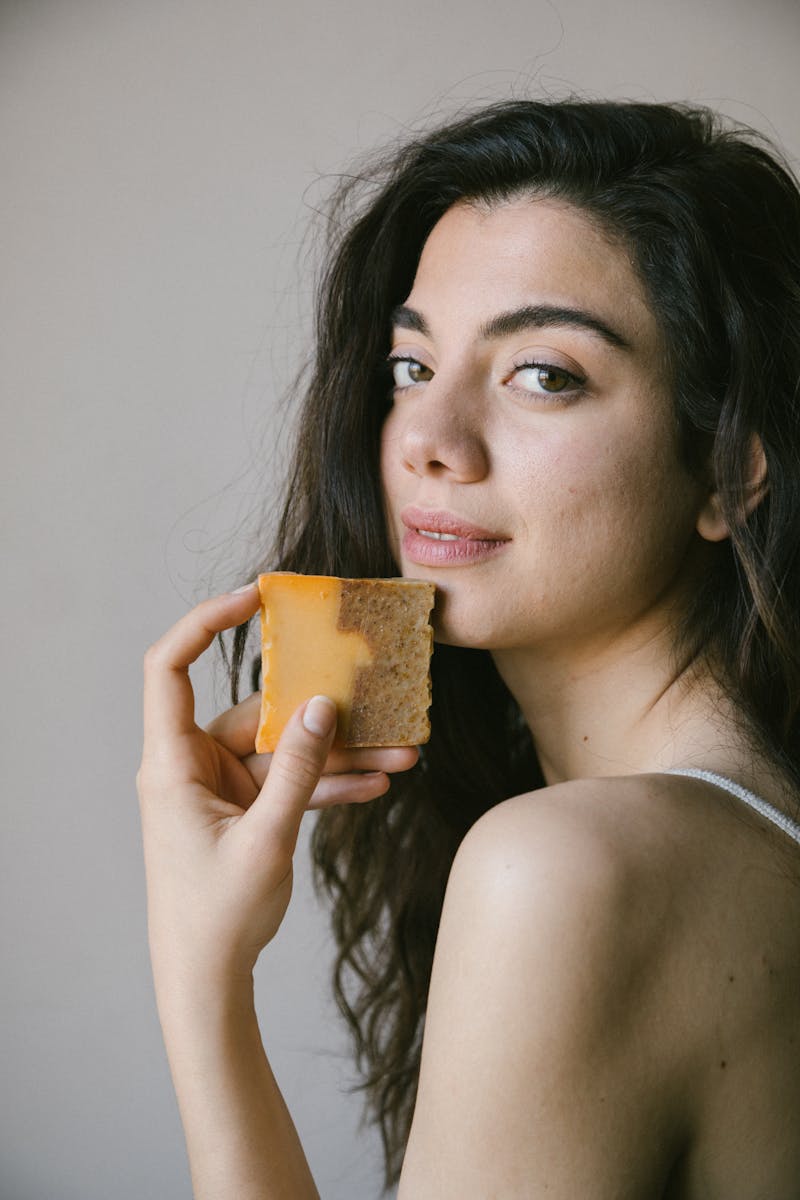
479, 260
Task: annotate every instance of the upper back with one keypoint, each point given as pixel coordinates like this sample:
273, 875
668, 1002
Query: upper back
734, 960
726, 977
619, 962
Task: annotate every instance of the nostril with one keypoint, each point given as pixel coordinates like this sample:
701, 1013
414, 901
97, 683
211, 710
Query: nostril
437, 438
430, 466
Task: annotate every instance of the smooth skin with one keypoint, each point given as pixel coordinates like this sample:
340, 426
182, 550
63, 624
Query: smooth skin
220, 825
613, 1011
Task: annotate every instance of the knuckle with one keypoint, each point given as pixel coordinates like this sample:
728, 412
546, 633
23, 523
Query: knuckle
153, 657
219, 724
145, 787
147, 777
296, 769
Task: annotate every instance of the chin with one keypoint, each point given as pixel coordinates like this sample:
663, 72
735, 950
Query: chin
455, 625
482, 614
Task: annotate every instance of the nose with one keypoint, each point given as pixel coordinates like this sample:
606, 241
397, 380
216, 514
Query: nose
438, 435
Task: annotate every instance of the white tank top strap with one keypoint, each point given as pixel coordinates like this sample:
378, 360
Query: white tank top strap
792, 828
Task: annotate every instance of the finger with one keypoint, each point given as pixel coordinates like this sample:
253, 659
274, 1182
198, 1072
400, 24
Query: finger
294, 773
344, 762
235, 729
168, 696
371, 758
349, 789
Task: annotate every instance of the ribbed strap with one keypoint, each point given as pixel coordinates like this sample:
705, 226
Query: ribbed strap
761, 806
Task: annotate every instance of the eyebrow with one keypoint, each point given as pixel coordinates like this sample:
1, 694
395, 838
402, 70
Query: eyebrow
529, 316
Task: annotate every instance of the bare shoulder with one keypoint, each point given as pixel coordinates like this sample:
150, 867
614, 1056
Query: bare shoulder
539, 1051
668, 840
580, 813
560, 1056
584, 865
630, 887
590, 850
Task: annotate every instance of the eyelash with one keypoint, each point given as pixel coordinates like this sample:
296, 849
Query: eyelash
578, 381
400, 358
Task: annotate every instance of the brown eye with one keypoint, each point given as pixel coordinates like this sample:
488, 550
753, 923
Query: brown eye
539, 378
553, 380
406, 371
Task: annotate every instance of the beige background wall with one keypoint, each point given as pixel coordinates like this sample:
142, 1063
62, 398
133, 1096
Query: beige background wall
159, 162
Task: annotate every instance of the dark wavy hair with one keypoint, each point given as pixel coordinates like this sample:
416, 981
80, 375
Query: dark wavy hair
711, 217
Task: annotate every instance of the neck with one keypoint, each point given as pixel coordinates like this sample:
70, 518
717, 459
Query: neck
623, 709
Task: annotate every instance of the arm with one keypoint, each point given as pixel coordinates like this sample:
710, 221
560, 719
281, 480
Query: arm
544, 1071
240, 1138
219, 828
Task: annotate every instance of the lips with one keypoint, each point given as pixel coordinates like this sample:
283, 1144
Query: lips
436, 538
446, 525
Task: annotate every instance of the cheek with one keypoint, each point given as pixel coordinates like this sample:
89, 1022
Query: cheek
388, 440
391, 476
637, 506
617, 485
388, 455
614, 471
554, 481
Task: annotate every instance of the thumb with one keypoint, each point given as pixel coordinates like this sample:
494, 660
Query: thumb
294, 772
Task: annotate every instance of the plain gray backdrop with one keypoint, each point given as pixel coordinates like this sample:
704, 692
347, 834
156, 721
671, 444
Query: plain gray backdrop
160, 165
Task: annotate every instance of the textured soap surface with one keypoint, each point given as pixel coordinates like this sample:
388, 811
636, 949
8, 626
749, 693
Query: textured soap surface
366, 643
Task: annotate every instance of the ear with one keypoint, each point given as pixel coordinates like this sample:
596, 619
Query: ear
711, 525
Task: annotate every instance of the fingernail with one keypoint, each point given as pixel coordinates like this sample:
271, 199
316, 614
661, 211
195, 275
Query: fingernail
245, 588
319, 716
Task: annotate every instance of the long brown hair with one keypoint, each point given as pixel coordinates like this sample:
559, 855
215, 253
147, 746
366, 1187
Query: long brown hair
712, 219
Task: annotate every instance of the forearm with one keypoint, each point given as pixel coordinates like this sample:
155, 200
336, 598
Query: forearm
219, 828
240, 1138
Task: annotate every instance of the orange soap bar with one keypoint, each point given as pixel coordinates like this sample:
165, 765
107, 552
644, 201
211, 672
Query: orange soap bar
366, 643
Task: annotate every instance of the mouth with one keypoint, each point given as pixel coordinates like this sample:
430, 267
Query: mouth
437, 537
446, 527
441, 539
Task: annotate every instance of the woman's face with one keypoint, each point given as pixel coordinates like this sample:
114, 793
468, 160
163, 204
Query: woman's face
529, 460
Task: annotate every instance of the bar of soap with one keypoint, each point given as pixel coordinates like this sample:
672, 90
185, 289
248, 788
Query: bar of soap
366, 643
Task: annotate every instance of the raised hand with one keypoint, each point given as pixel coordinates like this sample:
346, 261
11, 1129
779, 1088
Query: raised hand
220, 823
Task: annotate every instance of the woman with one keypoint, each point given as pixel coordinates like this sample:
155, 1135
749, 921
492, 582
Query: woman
558, 355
